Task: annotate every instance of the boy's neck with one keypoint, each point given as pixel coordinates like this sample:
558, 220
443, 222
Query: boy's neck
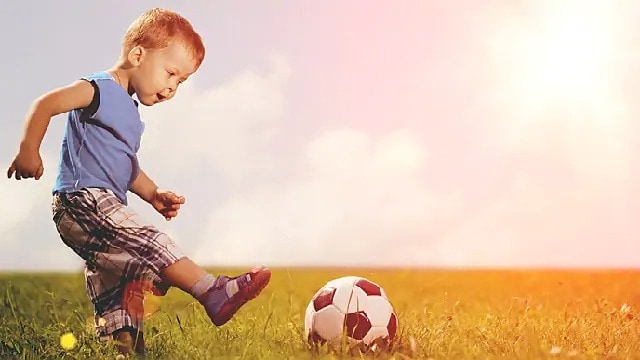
120, 74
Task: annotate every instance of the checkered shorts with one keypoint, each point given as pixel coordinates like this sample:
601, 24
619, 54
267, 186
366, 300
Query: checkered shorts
123, 255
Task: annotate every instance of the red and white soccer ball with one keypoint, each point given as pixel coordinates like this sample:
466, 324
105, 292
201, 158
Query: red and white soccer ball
352, 306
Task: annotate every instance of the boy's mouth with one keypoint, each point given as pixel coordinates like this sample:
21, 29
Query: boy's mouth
160, 97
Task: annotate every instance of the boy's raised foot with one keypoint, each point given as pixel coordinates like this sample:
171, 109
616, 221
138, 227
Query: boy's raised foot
228, 295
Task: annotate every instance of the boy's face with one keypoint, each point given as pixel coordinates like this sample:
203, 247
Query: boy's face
160, 71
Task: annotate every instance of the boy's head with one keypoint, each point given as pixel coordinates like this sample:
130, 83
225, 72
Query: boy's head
162, 50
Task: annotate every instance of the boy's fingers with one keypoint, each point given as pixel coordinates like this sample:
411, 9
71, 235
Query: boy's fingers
39, 172
177, 198
174, 199
170, 213
12, 168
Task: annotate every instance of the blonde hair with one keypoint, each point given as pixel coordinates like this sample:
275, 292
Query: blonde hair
156, 27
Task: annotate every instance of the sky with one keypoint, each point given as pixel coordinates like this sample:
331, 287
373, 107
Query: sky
421, 133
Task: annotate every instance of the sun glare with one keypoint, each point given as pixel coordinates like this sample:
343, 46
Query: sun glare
558, 60
559, 52
568, 56
556, 70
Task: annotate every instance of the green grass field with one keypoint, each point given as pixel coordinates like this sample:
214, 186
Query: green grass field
443, 315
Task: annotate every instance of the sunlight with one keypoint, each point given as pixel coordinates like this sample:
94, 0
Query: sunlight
568, 56
555, 69
557, 76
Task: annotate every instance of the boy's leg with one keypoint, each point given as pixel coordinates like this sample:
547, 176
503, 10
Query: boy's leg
122, 243
183, 274
118, 309
221, 296
105, 289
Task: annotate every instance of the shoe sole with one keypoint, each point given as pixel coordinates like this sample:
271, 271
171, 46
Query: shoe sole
260, 280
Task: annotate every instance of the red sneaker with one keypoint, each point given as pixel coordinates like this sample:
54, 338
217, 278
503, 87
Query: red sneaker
228, 295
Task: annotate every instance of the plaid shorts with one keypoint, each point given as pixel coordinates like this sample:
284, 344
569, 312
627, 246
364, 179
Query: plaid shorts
123, 255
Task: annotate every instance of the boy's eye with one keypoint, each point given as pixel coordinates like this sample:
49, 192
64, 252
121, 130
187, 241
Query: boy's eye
171, 73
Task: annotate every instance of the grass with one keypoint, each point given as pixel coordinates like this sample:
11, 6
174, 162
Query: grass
443, 315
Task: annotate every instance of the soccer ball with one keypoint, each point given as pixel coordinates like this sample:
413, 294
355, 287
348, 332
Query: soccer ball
351, 308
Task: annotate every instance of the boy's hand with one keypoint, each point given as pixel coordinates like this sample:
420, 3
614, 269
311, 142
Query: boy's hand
167, 203
27, 164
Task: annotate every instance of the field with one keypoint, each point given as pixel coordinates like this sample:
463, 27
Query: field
443, 314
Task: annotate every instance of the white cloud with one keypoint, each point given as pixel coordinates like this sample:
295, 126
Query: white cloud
228, 128
536, 222
22, 197
29, 239
345, 197
358, 201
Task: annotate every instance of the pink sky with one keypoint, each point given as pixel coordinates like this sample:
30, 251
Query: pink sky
468, 133
523, 114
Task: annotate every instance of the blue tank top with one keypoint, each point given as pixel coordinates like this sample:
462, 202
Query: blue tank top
100, 143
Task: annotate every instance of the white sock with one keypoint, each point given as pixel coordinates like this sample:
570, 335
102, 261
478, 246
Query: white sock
201, 286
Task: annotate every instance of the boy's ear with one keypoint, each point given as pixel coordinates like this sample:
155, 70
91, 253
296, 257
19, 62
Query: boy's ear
135, 55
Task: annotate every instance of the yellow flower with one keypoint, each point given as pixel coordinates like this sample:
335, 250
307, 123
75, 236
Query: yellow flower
68, 341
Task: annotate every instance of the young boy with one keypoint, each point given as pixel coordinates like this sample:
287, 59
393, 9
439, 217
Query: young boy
124, 255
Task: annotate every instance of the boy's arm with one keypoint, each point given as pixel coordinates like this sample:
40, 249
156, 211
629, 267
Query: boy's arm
73, 96
144, 187
165, 202
27, 162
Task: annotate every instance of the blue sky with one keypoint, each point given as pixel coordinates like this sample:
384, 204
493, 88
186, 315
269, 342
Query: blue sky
464, 133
